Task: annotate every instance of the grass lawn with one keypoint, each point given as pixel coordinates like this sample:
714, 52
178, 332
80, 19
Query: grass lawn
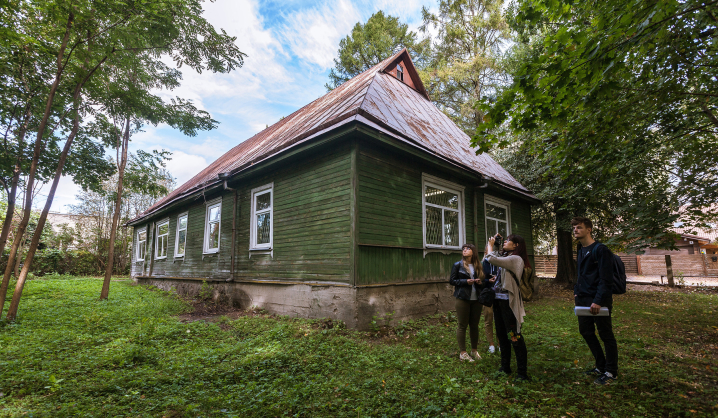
131, 356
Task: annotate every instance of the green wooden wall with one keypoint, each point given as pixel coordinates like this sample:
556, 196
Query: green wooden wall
311, 237
316, 196
390, 229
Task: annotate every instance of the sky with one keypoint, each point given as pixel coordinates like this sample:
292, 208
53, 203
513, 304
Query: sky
290, 47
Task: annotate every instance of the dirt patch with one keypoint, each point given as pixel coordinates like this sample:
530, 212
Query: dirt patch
210, 311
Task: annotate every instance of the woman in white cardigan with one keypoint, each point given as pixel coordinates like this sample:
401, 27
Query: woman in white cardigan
508, 306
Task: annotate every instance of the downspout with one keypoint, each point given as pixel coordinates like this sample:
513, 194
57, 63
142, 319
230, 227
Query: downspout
224, 176
487, 180
152, 246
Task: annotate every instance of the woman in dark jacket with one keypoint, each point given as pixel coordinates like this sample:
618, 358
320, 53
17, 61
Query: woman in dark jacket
467, 278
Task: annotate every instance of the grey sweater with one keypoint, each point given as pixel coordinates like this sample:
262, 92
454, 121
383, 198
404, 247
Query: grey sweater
516, 265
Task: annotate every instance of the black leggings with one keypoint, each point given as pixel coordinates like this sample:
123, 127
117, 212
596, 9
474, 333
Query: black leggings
506, 332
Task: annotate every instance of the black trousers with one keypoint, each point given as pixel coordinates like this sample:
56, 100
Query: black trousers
506, 327
587, 326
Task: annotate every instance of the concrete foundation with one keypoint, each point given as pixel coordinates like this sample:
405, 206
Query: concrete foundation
356, 306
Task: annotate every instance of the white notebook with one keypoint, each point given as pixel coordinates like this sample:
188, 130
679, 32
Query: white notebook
586, 311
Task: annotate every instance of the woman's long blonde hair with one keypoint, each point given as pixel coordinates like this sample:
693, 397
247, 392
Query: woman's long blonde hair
474, 260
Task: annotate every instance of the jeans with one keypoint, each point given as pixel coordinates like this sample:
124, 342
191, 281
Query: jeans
587, 326
506, 327
468, 313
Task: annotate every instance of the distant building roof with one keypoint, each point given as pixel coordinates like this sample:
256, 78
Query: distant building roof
376, 98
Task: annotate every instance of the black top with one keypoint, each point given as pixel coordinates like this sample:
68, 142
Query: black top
595, 274
458, 278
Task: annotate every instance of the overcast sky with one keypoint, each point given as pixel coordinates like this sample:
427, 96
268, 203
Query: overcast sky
290, 46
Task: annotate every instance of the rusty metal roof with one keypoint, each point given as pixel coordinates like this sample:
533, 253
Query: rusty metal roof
372, 96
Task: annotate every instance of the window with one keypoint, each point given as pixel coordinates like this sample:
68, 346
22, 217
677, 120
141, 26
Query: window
497, 217
399, 72
161, 237
181, 240
443, 213
211, 226
141, 244
261, 228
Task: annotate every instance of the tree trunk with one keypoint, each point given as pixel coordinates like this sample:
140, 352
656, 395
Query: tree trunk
17, 260
19, 233
12, 194
10, 209
566, 266
17, 294
33, 165
116, 216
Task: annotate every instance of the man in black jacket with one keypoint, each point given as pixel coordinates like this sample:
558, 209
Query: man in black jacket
594, 288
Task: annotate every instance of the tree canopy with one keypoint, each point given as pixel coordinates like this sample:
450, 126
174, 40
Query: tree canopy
617, 99
370, 43
466, 57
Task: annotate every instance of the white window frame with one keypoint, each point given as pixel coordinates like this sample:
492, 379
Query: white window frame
399, 72
436, 182
157, 238
208, 206
253, 219
495, 201
177, 231
138, 256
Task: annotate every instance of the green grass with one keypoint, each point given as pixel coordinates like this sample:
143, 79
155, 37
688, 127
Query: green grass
72, 355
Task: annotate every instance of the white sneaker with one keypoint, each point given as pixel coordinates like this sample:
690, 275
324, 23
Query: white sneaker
492, 349
465, 357
475, 354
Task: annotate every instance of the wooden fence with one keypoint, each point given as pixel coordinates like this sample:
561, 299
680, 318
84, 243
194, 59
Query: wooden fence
647, 265
688, 265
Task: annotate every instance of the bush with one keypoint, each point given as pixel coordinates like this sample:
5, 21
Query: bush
55, 261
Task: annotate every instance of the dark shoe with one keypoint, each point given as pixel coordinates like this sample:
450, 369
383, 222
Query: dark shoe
594, 372
504, 370
605, 379
523, 378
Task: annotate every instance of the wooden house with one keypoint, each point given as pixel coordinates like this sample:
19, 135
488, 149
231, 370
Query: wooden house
353, 206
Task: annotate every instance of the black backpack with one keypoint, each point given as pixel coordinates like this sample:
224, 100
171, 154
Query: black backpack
619, 271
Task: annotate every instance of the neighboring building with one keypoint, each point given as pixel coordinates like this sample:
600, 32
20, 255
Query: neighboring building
55, 219
687, 244
704, 241
353, 206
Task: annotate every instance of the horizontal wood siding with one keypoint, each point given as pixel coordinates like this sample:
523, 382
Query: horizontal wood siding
521, 223
311, 220
388, 265
311, 236
389, 228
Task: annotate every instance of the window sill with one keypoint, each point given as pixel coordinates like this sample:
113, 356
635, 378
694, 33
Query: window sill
161, 258
261, 251
445, 251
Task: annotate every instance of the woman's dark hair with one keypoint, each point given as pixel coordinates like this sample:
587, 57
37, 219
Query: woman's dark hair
474, 260
520, 249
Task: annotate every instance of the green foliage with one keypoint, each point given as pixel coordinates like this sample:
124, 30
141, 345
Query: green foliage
370, 43
52, 262
466, 58
614, 99
73, 355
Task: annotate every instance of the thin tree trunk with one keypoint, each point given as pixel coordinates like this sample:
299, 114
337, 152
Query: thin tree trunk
18, 258
35, 160
17, 294
116, 216
566, 266
19, 233
10, 209
12, 195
